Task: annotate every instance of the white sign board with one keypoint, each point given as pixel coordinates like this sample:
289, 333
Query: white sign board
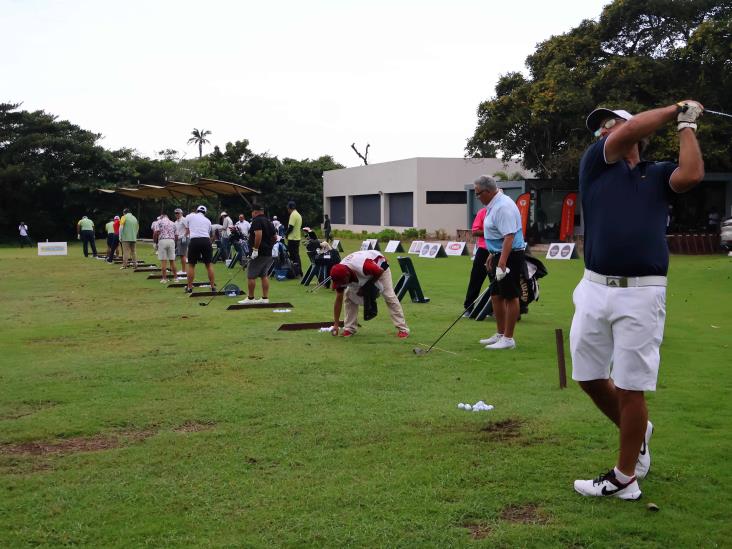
416, 247
393, 246
52, 248
431, 250
336, 245
456, 248
560, 250
365, 245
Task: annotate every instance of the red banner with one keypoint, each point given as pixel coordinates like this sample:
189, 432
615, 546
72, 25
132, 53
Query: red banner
566, 229
524, 203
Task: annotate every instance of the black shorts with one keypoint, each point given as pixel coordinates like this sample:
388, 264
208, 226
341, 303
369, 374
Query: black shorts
200, 249
510, 286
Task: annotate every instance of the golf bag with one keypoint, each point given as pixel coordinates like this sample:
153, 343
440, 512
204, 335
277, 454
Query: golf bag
282, 267
324, 262
529, 282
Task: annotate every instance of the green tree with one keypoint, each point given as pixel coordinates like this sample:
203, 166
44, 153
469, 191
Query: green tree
199, 138
638, 55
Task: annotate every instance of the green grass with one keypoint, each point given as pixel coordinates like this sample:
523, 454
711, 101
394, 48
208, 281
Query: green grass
302, 439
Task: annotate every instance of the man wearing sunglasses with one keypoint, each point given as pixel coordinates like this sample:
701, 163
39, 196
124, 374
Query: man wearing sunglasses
620, 304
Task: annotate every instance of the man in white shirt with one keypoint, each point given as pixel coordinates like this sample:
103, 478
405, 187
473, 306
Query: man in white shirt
226, 225
243, 245
24, 238
181, 239
199, 246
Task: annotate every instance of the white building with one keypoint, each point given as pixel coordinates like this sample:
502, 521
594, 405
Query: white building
425, 193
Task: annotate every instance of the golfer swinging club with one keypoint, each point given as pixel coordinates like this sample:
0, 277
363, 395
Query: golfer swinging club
620, 303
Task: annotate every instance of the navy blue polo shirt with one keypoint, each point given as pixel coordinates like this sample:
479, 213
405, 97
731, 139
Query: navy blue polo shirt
625, 214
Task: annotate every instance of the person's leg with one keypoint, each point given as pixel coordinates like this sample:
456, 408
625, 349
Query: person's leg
293, 248
93, 242
211, 276
478, 274
605, 396
133, 253
125, 254
350, 322
499, 311
190, 274
392, 302
251, 287
265, 287
510, 317
85, 243
633, 423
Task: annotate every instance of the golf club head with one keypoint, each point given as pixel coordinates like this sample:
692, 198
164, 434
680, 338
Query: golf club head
419, 351
202, 304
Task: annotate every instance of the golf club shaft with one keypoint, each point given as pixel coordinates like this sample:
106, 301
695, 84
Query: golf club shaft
476, 300
718, 113
225, 285
320, 285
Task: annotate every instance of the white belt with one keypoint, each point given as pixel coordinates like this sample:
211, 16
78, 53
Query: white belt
625, 281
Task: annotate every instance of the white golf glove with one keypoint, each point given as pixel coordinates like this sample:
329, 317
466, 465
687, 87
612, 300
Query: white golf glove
255, 253
78, 237
689, 111
501, 274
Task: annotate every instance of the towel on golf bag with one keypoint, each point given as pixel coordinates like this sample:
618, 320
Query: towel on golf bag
369, 292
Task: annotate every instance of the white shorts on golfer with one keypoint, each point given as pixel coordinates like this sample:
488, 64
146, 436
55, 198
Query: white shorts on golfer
617, 331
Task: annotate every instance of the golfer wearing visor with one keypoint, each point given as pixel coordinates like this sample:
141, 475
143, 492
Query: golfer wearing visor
620, 303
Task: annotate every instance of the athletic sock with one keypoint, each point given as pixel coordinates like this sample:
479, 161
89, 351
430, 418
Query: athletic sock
622, 477
507, 338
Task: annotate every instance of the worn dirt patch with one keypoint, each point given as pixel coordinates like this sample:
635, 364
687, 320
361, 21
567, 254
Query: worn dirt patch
524, 514
505, 429
478, 531
76, 444
195, 426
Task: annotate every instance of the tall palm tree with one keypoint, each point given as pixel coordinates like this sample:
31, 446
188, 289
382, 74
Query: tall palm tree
199, 138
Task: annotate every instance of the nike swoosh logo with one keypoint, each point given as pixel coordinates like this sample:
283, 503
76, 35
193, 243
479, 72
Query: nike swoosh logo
643, 449
606, 492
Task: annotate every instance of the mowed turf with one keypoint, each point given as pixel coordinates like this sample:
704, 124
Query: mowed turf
131, 416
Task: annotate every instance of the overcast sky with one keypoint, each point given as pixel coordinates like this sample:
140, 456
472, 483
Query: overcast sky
299, 79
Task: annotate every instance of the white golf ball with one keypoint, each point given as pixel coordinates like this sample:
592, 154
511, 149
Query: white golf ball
461, 405
468, 407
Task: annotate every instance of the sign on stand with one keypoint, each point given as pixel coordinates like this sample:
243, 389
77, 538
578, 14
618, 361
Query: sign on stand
394, 246
336, 245
561, 250
370, 244
456, 248
431, 250
365, 246
416, 247
52, 248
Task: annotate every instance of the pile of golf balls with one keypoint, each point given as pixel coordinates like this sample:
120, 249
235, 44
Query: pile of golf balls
479, 406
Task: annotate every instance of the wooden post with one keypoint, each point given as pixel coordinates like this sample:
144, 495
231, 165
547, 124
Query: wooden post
560, 359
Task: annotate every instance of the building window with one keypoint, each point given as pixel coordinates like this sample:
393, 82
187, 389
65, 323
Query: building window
447, 197
337, 209
400, 209
367, 209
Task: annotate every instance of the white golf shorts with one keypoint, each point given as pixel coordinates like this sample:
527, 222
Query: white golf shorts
616, 333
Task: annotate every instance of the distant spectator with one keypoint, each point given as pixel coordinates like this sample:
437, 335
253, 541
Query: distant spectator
164, 237
23, 233
181, 239
85, 233
327, 229
226, 225
128, 230
112, 239
478, 272
294, 228
242, 246
713, 221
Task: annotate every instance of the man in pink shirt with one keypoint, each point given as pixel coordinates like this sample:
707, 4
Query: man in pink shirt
478, 272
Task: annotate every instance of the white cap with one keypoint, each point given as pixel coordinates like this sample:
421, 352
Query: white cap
201, 209
598, 115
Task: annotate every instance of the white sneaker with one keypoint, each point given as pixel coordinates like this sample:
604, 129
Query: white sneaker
503, 343
263, 301
607, 485
247, 301
491, 340
164, 281
643, 465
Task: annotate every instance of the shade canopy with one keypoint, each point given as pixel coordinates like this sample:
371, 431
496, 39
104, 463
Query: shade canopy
207, 188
